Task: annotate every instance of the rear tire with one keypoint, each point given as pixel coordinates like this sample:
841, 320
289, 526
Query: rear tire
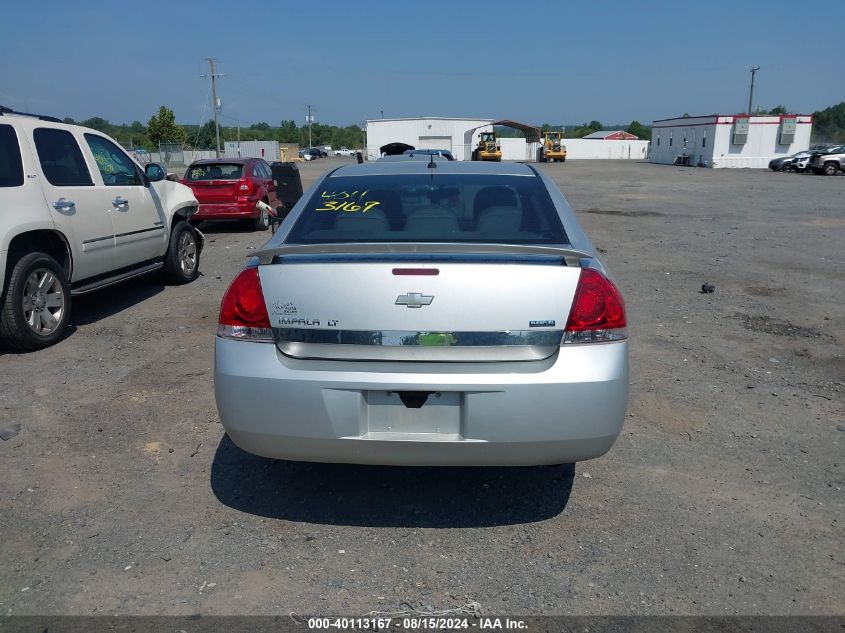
262, 222
182, 261
830, 168
36, 306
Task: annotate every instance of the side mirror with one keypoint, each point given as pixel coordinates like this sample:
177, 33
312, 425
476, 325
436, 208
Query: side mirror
155, 172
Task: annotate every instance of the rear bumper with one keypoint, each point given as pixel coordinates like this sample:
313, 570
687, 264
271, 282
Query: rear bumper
564, 409
226, 211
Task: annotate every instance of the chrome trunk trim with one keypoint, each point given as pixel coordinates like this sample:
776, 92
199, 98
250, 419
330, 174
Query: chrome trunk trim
412, 346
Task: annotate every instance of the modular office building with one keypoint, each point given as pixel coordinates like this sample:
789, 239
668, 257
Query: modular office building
729, 140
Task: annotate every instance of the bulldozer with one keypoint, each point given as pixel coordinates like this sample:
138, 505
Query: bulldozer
552, 148
488, 148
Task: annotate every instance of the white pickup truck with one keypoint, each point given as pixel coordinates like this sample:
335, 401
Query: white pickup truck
344, 152
77, 213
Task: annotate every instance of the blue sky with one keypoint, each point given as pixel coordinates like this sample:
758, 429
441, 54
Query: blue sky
554, 62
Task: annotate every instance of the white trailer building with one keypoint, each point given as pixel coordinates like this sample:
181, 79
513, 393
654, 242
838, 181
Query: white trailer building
729, 140
426, 133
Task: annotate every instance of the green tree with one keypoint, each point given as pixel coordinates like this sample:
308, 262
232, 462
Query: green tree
595, 125
829, 124
778, 110
162, 127
99, 124
202, 136
287, 132
639, 130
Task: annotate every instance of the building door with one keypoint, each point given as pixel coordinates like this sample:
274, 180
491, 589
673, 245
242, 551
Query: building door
435, 142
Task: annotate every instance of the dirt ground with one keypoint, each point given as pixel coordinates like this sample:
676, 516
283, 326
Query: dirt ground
122, 495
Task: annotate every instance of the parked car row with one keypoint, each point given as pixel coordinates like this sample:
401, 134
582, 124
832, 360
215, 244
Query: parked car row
312, 153
828, 160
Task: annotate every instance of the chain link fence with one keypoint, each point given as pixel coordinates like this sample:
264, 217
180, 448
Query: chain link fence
172, 154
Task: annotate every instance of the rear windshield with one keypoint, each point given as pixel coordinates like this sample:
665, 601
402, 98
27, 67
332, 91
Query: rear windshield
11, 168
214, 171
430, 208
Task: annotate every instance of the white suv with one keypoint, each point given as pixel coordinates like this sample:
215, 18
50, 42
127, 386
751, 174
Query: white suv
78, 214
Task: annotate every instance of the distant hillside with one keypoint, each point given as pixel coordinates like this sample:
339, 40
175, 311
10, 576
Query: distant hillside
829, 124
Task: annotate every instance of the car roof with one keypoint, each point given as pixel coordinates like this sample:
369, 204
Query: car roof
400, 167
426, 151
230, 161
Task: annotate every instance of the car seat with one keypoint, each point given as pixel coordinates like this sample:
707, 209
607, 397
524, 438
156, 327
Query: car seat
431, 222
391, 205
494, 196
499, 220
373, 224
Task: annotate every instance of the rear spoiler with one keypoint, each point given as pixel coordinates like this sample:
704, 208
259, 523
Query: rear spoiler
377, 251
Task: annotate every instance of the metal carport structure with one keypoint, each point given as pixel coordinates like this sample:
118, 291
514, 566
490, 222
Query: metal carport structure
532, 139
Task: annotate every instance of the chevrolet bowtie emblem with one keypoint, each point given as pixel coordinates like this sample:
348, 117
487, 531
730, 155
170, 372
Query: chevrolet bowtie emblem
414, 300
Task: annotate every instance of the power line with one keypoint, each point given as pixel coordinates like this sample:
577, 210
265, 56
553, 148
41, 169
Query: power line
215, 101
202, 118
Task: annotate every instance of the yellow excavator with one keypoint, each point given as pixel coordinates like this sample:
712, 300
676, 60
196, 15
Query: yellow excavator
488, 148
552, 148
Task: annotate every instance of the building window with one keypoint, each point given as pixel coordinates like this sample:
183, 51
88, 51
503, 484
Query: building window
658, 139
704, 139
670, 139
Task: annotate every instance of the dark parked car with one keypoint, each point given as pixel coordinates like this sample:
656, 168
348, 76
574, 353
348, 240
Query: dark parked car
231, 188
782, 163
445, 153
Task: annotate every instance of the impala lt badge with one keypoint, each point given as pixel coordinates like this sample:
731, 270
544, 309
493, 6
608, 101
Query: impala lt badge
414, 300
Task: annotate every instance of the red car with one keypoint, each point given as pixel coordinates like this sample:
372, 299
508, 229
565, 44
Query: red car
230, 189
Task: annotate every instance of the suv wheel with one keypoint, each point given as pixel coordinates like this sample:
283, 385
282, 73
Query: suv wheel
830, 168
36, 306
182, 261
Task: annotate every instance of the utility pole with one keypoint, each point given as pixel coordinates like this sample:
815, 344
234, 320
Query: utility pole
754, 70
310, 118
215, 101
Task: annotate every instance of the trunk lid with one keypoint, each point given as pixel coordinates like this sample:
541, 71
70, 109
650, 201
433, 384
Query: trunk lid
214, 191
509, 304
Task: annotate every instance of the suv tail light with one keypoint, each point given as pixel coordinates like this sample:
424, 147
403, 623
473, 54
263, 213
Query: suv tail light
245, 185
598, 311
243, 313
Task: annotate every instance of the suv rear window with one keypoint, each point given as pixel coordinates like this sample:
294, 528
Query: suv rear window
214, 171
430, 208
11, 168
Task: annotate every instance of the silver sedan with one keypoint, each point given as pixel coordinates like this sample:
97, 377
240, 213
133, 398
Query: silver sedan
441, 313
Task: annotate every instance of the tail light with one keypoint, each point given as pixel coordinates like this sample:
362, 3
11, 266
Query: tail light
245, 185
243, 313
598, 311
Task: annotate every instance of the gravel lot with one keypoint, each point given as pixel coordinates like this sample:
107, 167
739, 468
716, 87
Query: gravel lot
121, 494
